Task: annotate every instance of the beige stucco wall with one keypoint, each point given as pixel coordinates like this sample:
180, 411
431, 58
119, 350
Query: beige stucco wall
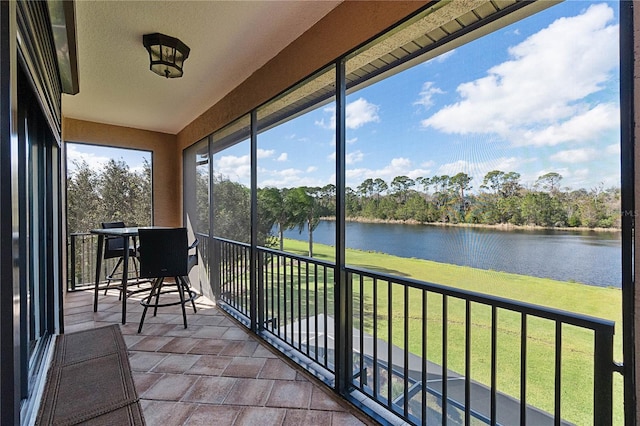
166, 206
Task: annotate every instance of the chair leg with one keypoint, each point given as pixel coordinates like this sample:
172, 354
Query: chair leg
154, 289
135, 267
110, 276
187, 287
155, 308
182, 302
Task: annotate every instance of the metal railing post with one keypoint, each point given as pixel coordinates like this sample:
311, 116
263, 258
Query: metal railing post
260, 280
603, 377
72, 260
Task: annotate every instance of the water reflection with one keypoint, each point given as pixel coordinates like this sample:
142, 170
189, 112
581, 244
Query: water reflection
583, 256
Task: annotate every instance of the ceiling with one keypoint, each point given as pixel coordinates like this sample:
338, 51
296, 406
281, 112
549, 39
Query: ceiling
229, 40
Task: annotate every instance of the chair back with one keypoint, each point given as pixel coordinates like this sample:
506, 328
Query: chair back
114, 246
163, 252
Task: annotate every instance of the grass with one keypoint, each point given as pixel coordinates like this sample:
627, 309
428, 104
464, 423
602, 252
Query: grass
577, 347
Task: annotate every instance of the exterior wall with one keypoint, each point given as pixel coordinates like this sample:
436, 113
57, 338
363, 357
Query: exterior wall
167, 161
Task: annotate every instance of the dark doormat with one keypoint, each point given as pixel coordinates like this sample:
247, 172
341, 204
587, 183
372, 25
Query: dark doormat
90, 381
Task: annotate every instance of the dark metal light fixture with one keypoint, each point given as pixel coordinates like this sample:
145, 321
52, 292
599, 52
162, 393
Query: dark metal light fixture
167, 54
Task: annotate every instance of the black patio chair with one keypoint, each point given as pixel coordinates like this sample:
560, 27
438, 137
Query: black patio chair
114, 248
164, 253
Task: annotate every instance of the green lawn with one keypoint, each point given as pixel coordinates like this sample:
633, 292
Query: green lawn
577, 348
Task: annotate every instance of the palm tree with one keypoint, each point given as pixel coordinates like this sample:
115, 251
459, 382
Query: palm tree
272, 205
302, 205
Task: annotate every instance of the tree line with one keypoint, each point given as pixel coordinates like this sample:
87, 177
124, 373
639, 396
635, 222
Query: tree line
118, 193
112, 193
501, 199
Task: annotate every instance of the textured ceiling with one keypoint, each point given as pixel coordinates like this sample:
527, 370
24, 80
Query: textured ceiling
229, 40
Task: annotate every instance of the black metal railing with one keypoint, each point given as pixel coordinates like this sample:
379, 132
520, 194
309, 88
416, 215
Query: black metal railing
395, 321
424, 352
297, 302
81, 261
233, 274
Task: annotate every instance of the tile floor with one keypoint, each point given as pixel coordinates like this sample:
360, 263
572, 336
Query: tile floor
212, 372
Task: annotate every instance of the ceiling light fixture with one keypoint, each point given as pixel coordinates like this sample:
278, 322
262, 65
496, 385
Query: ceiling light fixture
166, 54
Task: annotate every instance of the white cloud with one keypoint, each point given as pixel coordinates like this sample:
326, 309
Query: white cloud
332, 121
613, 148
540, 92
94, 161
358, 113
289, 178
233, 167
350, 158
282, 157
354, 157
265, 153
478, 170
361, 112
427, 92
575, 155
397, 167
443, 57
586, 126
287, 172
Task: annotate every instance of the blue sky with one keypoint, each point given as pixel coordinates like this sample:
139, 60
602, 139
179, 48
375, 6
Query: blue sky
97, 156
541, 95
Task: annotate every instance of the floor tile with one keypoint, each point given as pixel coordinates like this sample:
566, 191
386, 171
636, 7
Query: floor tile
287, 394
320, 400
144, 361
151, 343
210, 331
176, 363
209, 346
163, 413
244, 367
143, 381
210, 390
307, 418
263, 352
209, 365
179, 345
275, 368
212, 372
238, 348
345, 419
252, 416
220, 415
252, 392
170, 387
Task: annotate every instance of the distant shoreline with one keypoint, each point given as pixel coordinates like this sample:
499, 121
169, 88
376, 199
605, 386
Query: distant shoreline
497, 227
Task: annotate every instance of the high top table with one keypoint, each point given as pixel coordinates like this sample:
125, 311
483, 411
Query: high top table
125, 233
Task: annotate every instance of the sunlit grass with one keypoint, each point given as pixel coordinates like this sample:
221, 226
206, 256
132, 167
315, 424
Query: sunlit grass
577, 344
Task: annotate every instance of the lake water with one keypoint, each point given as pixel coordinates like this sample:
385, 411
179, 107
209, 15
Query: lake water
584, 256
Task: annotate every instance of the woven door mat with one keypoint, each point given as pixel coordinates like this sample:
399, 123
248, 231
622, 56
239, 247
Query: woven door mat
90, 381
